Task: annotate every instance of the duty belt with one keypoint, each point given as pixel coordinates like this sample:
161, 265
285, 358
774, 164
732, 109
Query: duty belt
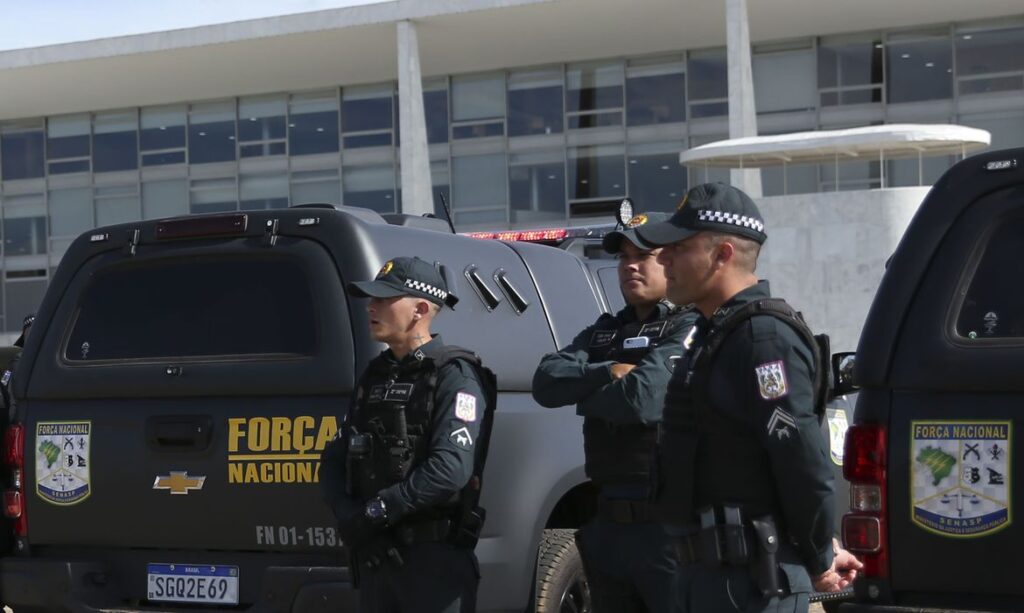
625, 511
424, 531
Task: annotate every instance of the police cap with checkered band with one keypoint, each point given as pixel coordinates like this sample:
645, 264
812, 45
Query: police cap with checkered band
406, 277
710, 207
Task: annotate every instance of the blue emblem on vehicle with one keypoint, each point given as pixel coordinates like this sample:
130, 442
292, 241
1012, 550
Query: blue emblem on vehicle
62, 461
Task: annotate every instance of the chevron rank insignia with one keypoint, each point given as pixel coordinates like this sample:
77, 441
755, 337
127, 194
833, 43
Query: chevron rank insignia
779, 424
461, 438
771, 380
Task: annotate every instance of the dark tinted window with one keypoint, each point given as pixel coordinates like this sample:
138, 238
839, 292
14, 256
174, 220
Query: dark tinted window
199, 307
994, 304
22, 155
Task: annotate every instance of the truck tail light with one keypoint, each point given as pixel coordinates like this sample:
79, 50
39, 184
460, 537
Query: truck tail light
14, 494
864, 527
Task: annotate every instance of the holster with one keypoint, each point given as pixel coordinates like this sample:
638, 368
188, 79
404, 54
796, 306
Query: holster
765, 567
467, 527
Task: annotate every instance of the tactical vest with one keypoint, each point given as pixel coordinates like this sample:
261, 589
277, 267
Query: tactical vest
623, 453
394, 406
711, 461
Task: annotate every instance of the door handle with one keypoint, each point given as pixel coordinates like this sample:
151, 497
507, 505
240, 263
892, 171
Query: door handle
179, 432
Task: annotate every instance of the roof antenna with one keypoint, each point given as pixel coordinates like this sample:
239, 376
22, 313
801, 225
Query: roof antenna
447, 212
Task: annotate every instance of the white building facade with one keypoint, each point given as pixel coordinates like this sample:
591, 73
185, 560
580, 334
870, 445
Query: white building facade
522, 113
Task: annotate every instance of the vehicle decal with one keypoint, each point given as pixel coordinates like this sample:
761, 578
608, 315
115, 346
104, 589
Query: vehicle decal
277, 449
62, 461
960, 477
837, 426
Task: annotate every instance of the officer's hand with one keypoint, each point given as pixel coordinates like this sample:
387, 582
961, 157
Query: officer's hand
356, 530
620, 370
842, 573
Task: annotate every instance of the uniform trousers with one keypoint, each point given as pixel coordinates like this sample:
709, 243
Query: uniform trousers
433, 578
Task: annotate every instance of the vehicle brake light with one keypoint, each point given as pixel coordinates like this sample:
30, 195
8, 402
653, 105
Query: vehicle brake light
864, 458
864, 527
14, 446
14, 495
195, 227
861, 533
12, 504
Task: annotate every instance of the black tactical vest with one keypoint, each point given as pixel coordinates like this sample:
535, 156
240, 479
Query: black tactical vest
623, 453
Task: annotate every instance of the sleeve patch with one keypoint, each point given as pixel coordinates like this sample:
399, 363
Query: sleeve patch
461, 437
465, 407
771, 380
779, 424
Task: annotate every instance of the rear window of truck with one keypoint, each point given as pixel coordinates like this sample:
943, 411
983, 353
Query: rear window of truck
993, 305
200, 307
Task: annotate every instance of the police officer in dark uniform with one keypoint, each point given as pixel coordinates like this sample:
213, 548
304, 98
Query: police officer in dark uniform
403, 475
616, 372
745, 483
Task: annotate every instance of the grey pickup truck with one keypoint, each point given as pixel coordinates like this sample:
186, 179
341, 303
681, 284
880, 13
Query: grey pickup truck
183, 375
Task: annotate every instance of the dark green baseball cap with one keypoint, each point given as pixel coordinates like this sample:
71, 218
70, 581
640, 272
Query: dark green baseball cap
405, 276
612, 241
710, 207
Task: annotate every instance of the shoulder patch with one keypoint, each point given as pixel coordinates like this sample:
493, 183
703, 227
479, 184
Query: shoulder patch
771, 380
461, 437
465, 406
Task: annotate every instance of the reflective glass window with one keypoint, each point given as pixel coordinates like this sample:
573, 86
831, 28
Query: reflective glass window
596, 172
21, 150
993, 308
1007, 129
850, 70
211, 133
24, 225
70, 211
313, 123
537, 187
535, 99
990, 60
162, 135
67, 144
708, 75
213, 195
911, 172
316, 186
117, 204
789, 179
657, 181
784, 81
479, 189
367, 116
115, 142
919, 69
435, 108
371, 187
594, 94
655, 93
22, 298
164, 199
478, 106
267, 191
261, 126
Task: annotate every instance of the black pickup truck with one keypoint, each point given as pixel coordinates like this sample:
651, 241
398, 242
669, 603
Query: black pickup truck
933, 456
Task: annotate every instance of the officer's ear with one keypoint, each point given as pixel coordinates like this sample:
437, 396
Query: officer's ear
724, 252
422, 309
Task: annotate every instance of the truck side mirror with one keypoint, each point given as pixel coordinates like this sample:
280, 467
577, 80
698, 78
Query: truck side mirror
842, 373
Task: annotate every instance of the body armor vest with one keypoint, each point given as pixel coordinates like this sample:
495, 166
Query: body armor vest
623, 453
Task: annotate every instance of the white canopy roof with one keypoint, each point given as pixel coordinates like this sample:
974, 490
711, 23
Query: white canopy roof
887, 141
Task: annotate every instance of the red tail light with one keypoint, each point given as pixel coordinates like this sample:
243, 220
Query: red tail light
864, 527
14, 495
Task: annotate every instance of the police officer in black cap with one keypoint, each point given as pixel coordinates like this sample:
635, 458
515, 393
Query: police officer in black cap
403, 475
746, 485
616, 372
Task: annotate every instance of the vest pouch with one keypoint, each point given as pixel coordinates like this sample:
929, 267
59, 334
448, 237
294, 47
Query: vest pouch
399, 456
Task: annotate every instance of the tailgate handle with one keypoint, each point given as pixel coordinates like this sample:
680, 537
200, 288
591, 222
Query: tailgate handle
179, 432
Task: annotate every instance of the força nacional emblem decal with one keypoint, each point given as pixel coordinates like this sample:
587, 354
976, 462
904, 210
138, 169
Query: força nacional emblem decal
960, 476
62, 461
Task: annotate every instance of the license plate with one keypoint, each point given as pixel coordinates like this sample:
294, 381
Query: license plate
192, 583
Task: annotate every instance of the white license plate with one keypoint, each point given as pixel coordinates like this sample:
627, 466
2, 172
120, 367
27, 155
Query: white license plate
192, 583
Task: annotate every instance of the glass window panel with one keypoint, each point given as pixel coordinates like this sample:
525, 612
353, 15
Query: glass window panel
906, 172
263, 192
478, 182
783, 81
162, 128
22, 153
597, 172
22, 299
213, 196
592, 87
595, 120
656, 94
708, 74
249, 151
537, 187
261, 119
1007, 130
160, 159
919, 70
709, 109
992, 307
368, 140
24, 225
789, 179
313, 123
657, 181
535, 100
164, 199
67, 137
316, 186
982, 53
115, 142
211, 133
435, 108
70, 211
478, 97
371, 187
366, 108
122, 209
845, 63
852, 176
478, 130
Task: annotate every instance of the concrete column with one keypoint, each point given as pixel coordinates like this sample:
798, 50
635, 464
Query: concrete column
742, 112
417, 197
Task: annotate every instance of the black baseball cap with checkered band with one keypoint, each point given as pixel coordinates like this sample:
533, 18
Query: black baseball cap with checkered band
406, 276
710, 207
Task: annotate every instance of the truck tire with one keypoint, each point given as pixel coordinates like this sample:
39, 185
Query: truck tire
561, 584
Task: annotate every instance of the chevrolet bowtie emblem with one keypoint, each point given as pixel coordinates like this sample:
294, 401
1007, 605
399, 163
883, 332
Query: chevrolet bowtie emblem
178, 482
